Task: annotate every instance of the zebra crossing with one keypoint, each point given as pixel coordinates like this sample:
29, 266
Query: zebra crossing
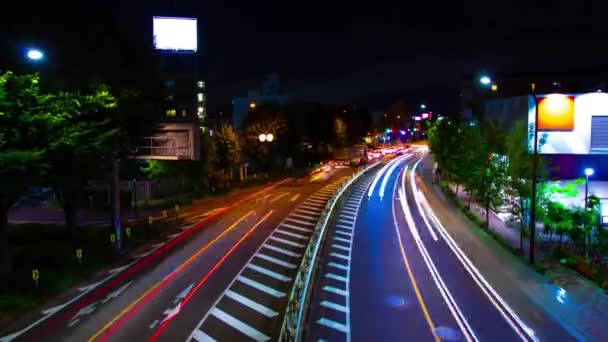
331, 317
250, 307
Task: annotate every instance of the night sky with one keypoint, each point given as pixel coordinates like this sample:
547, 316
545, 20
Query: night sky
371, 53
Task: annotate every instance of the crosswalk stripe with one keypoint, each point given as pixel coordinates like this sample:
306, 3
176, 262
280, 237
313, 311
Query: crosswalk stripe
336, 277
238, 325
200, 336
344, 226
340, 256
268, 272
315, 201
297, 228
282, 251
297, 236
334, 306
332, 324
308, 211
312, 206
340, 247
300, 221
269, 290
251, 304
335, 290
287, 242
345, 221
342, 239
304, 216
275, 260
323, 197
338, 266
344, 233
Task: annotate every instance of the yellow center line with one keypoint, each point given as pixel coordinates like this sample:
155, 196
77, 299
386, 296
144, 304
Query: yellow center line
177, 270
279, 197
425, 311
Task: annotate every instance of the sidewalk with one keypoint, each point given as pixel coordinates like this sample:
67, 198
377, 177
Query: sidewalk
102, 217
573, 302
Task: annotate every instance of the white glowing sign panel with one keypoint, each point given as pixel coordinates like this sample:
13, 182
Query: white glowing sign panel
175, 34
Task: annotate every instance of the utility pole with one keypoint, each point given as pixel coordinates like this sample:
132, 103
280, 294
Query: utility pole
116, 203
534, 177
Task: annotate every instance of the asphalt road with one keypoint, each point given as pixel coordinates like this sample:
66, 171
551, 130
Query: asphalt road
165, 293
390, 271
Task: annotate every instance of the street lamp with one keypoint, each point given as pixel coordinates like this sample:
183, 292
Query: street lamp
35, 54
269, 137
423, 106
262, 137
485, 80
252, 105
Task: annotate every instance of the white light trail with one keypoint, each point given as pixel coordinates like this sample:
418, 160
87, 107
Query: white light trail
390, 171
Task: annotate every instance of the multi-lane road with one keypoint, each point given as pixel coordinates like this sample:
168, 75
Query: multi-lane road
392, 267
391, 271
225, 277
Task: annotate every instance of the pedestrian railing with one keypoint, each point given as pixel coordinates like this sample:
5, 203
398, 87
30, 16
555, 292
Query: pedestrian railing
291, 330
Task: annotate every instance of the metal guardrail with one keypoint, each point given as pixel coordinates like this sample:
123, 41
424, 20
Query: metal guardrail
291, 330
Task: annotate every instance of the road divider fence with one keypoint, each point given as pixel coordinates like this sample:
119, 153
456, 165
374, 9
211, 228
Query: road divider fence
293, 319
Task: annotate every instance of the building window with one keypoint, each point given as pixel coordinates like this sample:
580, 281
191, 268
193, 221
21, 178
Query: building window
184, 113
201, 110
200, 97
200, 84
171, 112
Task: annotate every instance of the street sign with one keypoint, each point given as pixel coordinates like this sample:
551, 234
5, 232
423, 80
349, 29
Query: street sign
79, 255
128, 232
150, 219
113, 238
35, 276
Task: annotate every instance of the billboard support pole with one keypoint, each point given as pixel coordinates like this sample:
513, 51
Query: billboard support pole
534, 177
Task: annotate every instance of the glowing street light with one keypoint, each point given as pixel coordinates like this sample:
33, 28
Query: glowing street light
252, 105
269, 137
423, 106
35, 54
589, 172
485, 80
262, 137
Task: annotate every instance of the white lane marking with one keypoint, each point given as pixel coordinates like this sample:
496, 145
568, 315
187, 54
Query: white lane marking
275, 260
417, 200
334, 306
268, 272
499, 303
314, 218
89, 287
153, 325
342, 239
50, 311
351, 206
200, 336
116, 293
346, 221
340, 256
300, 221
316, 213
336, 277
287, 242
347, 216
72, 323
294, 198
345, 226
332, 324
461, 321
238, 325
335, 290
264, 288
183, 294
338, 266
314, 200
251, 304
304, 230
344, 233
294, 235
282, 251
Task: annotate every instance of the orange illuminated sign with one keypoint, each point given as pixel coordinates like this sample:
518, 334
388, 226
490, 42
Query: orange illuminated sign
556, 113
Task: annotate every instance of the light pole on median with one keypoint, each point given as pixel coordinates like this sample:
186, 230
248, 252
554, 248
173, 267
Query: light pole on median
534, 176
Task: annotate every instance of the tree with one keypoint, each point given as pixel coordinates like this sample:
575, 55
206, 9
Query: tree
228, 149
81, 143
23, 121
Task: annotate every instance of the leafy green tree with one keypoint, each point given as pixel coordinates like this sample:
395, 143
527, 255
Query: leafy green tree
81, 142
228, 148
24, 118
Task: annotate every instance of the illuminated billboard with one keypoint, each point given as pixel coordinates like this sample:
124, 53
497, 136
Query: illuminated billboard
570, 123
175, 34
